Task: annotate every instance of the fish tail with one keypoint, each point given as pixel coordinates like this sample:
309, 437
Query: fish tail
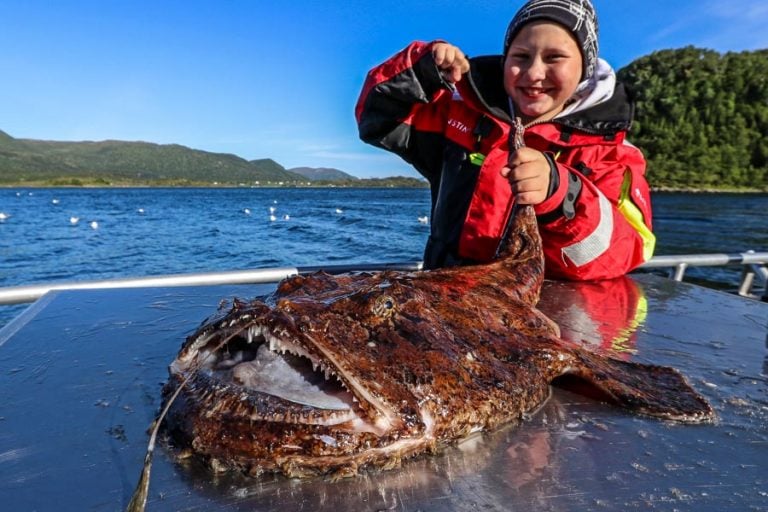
656, 391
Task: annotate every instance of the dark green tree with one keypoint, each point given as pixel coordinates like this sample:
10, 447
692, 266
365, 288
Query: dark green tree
702, 117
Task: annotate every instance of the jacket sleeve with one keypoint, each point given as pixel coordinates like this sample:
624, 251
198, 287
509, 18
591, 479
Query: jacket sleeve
402, 108
597, 223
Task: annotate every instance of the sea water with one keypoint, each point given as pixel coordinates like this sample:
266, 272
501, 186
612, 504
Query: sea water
63, 235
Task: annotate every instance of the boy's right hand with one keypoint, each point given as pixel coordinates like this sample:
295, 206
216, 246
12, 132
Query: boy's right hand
528, 171
450, 60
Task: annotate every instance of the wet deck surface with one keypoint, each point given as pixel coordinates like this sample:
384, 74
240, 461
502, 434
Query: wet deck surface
80, 378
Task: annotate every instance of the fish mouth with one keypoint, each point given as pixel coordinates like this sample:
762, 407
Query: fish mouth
291, 384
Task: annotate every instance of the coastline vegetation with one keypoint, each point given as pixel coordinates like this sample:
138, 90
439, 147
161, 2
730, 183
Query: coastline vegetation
102, 182
702, 118
37, 163
701, 121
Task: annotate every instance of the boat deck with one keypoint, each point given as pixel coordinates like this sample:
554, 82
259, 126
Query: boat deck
81, 372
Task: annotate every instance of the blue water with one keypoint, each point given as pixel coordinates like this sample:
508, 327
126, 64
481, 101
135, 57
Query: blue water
168, 231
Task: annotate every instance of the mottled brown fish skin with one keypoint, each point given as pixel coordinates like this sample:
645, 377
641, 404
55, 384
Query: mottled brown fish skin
430, 357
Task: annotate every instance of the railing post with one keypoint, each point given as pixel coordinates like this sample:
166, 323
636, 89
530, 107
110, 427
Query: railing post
747, 278
763, 271
680, 271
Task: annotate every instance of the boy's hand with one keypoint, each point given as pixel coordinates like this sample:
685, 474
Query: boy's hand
528, 172
450, 60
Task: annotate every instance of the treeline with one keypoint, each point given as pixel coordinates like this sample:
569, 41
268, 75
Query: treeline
702, 117
39, 162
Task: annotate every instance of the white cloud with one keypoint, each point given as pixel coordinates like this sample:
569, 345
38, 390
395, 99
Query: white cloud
723, 26
748, 10
738, 24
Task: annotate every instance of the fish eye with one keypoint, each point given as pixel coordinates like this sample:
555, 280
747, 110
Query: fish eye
384, 306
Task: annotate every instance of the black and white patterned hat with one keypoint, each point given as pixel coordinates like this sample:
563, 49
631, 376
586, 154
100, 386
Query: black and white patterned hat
578, 16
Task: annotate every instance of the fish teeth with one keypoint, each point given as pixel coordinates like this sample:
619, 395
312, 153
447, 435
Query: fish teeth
254, 332
276, 344
202, 340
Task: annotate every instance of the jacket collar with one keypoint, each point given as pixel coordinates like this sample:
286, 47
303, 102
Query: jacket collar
598, 109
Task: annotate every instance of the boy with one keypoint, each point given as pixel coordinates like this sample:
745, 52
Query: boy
544, 125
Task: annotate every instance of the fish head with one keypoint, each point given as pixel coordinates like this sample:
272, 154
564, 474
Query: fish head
300, 374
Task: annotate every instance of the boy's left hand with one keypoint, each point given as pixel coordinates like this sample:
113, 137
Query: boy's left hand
528, 172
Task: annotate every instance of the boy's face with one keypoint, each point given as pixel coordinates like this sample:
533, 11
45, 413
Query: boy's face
542, 70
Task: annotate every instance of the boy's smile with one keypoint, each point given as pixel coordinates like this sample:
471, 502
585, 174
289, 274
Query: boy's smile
542, 70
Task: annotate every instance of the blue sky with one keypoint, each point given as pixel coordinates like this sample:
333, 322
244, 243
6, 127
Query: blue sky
261, 81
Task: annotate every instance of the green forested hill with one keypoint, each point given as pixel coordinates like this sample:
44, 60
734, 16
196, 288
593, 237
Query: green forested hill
117, 162
49, 163
702, 117
322, 173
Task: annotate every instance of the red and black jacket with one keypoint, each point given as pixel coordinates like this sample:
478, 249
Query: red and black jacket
595, 223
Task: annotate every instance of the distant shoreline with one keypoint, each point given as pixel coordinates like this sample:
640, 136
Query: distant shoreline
362, 183
393, 182
681, 190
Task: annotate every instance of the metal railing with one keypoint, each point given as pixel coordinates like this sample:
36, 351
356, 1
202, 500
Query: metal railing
30, 293
754, 267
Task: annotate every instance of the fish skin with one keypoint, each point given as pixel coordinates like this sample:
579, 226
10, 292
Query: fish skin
430, 356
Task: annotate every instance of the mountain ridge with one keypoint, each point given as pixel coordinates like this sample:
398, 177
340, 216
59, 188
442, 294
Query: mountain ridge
35, 162
322, 173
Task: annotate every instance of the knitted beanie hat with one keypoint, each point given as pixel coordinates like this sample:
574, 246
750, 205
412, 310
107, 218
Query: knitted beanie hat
578, 16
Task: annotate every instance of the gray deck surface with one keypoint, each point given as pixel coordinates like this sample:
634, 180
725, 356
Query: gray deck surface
81, 372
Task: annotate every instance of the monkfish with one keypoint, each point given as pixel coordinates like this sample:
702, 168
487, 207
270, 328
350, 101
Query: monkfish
330, 375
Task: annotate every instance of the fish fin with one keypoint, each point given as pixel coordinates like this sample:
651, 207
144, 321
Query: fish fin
657, 391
